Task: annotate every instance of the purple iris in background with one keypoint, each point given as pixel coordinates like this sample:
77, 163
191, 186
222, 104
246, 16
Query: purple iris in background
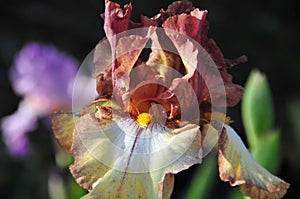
44, 77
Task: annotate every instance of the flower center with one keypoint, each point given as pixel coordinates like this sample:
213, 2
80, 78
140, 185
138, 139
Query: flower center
143, 119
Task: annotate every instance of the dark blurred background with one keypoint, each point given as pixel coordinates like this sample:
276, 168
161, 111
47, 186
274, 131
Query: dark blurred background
266, 31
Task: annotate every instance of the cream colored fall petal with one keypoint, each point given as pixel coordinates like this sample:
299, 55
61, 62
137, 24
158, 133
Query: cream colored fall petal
113, 160
131, 175
237, 166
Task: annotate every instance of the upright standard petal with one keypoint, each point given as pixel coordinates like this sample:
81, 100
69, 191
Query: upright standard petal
195, 26
116, 20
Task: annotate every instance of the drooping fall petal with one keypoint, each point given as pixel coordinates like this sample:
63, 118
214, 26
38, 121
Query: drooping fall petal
86, 168
166, 187
237, 166
63, 125
97, 144
119, 185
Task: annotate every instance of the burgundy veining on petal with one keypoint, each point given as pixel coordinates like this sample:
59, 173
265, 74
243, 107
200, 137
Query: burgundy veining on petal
176, 8
190, 25
128, 50
116, 19
195, 26
179, 7
182, 99
103, 68
125, 49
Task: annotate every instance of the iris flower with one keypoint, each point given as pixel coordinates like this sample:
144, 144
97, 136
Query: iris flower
43, 76
164, 88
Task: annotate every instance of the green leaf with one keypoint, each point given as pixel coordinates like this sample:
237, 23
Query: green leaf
236, 194
203, 179
75, 190
267, 152
257, 108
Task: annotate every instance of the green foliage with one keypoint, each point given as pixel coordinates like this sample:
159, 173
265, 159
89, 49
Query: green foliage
69, 187
258, 119
203, 179
75, 190
267, 152
257, 108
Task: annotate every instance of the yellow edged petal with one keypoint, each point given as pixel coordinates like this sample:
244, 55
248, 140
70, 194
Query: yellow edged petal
86, 169
119, 185
63, 125
237, 166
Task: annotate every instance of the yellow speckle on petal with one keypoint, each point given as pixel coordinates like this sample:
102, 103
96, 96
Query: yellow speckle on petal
218, 116
143, 119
